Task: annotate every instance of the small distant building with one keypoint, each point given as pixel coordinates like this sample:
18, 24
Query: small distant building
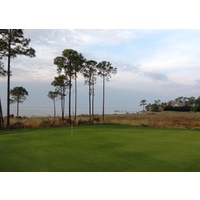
176, 104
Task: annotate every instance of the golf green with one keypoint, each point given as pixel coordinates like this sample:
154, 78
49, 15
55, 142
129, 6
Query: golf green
100, 148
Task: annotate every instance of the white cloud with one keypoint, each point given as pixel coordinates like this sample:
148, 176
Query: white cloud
177, 56
156, 76
105, 36
166, 61
79, 37
189, 78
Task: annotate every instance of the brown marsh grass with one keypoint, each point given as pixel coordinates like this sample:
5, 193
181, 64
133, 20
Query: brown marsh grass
189, 120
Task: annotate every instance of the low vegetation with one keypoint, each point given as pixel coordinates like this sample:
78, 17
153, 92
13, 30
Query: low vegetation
188, 120
47, 122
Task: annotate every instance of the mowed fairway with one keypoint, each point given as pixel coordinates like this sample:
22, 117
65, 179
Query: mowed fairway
100, 148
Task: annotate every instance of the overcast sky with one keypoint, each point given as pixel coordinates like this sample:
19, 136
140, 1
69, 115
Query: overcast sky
154, 45
152, 64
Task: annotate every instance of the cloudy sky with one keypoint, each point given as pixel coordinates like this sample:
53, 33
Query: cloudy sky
154, 45
152, 64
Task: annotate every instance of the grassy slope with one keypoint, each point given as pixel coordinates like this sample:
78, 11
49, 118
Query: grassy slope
100, 148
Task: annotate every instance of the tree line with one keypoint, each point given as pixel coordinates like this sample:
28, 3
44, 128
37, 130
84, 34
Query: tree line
69, 64
182, 104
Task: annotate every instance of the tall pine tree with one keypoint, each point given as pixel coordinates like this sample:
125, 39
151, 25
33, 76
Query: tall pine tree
105, 70
70, 63
12, 44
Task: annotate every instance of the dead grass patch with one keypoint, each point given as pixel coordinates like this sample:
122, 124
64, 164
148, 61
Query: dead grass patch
189, 120
159, 120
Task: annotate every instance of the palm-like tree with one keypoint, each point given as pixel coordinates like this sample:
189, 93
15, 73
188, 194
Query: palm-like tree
61, 83
143, 103
53, 95
89, 73
105, 70
18, 95
78, 66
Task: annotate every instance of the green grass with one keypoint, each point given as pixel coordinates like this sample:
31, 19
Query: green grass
100, 148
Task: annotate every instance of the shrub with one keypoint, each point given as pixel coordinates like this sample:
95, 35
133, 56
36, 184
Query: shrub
96, 119
155, 107
83, 122
180, 109
46, 123
17, 125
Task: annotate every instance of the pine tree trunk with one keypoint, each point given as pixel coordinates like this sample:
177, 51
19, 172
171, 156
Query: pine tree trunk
17, 108
70, 86
54, 111
103, 98
93, 102
8, 81
63, 108
89, 101
75, 99
63, 104
1, 117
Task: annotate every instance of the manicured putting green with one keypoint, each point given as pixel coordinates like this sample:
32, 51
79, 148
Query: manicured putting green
100, 148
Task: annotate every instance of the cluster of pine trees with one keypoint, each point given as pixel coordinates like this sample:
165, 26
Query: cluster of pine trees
68, 66
12, 44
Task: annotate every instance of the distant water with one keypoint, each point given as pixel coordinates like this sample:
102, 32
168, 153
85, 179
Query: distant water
48, 111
